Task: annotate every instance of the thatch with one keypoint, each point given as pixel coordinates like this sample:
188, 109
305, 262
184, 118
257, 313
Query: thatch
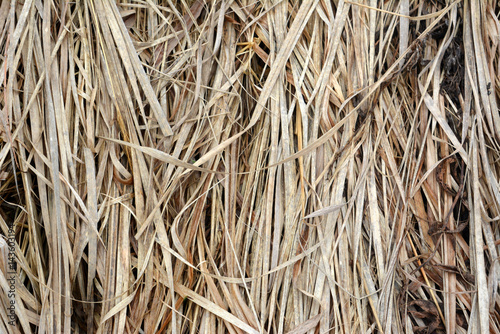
245, 166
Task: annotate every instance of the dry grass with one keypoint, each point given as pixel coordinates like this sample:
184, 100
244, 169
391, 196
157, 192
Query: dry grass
240, 166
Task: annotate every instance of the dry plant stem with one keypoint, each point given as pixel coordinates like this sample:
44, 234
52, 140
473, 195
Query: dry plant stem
422, 270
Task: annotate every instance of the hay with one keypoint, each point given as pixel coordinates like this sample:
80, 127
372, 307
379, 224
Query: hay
249, 167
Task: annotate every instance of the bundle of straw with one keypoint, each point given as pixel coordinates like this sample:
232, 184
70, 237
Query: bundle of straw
242, 166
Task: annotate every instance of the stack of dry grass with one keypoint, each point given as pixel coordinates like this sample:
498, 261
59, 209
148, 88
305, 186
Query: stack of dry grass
241, 166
